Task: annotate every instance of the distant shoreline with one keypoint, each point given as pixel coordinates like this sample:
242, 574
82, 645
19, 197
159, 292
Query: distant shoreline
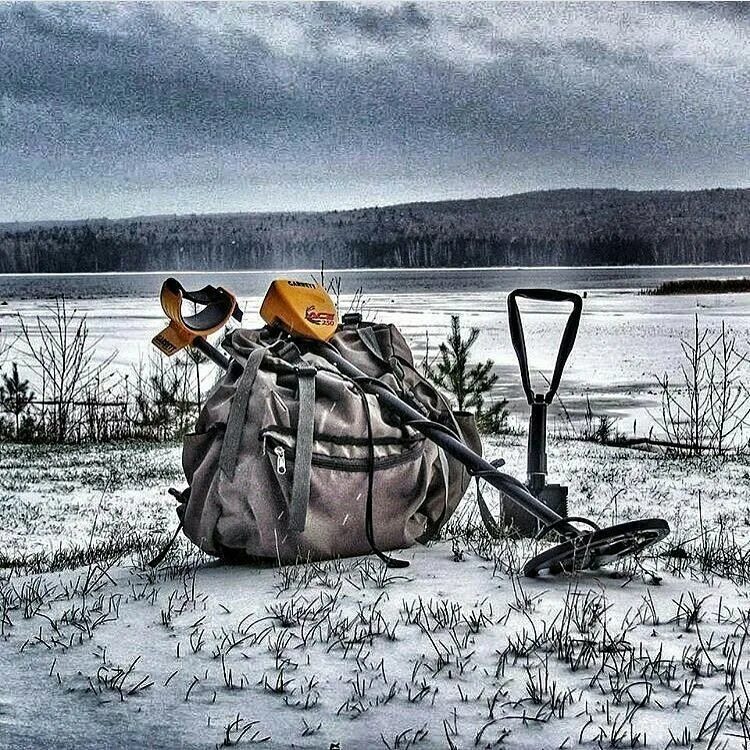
554, 229
700, 286
379, 269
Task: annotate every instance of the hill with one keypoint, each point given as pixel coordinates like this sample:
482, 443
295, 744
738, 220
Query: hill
558, 227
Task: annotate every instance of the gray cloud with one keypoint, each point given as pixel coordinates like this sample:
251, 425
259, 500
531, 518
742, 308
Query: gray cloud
134, 108
370, 21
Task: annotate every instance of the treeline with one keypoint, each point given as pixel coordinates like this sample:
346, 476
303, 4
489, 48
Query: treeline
701, 286
562, 227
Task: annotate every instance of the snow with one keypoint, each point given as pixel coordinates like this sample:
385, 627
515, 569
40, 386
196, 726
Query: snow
454, 651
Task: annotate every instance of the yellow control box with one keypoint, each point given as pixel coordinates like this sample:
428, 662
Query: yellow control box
301, 308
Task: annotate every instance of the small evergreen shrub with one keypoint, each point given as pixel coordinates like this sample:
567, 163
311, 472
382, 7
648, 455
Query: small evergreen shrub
470, 385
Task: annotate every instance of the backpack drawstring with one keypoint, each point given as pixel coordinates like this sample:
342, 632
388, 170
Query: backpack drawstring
391, 562
181, 497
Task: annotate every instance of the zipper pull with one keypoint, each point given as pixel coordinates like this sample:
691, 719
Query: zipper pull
280, 460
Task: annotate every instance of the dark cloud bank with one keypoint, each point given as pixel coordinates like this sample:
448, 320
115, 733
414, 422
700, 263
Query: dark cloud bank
125, 109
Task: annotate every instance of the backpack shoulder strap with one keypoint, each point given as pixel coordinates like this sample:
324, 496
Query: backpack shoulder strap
303, 455
230, 449
238, 411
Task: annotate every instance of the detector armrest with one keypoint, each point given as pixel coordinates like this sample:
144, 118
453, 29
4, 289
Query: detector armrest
219, 306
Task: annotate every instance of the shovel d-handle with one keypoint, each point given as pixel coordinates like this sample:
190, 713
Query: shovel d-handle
190, 330
536, 464
519, 342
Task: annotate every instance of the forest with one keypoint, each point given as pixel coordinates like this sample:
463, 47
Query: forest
559, 227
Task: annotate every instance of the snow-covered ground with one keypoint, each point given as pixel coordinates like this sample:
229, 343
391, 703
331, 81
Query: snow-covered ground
455, 651
53, 495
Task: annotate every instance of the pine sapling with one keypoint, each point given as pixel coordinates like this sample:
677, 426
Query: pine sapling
469, 383
15, 396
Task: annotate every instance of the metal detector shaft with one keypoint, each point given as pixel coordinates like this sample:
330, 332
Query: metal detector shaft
211, 352
509, 486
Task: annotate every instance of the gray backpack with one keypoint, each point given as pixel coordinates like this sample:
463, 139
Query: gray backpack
292, 461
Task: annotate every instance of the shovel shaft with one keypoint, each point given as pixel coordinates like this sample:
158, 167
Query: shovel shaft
536, 457
477, 465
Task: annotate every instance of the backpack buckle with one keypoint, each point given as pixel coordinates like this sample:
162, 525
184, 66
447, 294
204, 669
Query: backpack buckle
397, 368
306, 370
286, 351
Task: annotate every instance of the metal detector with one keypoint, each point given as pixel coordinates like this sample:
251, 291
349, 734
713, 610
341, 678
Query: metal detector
587, 548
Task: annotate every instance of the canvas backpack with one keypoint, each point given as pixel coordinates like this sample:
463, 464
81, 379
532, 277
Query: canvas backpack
291, 461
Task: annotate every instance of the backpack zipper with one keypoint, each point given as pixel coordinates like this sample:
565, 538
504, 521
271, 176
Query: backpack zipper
280, 460
288, 432
280, 451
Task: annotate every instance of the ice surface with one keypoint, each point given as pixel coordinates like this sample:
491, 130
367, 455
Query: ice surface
625, 339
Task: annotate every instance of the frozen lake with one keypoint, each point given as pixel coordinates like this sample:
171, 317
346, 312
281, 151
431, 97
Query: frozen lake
625, 339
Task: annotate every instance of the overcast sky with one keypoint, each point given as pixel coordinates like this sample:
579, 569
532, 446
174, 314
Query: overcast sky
122, 109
